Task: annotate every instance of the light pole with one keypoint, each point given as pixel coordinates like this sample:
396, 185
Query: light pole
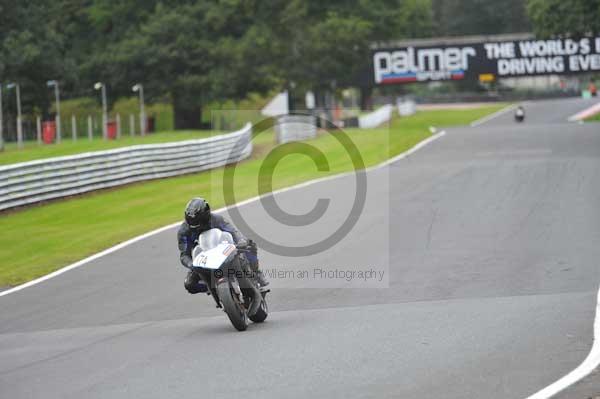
140, 88
98, 86
54, 83
19, 127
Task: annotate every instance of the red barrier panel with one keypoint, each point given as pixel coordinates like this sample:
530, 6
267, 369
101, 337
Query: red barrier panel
49, 132
111, 130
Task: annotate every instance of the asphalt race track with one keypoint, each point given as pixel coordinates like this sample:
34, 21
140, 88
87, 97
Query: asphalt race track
491, 239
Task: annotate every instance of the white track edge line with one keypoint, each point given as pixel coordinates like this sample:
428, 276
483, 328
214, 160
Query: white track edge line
584, 113
161, 229
486, 118
584, 369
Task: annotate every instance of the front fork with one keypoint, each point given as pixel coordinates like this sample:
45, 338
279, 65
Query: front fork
213, 292
212, 282
233, 283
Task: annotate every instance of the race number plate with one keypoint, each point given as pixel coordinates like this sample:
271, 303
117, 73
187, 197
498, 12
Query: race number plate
214, 258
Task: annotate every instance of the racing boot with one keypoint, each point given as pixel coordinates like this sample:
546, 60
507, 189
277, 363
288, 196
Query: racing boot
194, 284
252, 257
262, 280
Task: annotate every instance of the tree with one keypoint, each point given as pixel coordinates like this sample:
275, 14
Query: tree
31, 51
480, 17
394, 19
573, 18
195, 53
323, 46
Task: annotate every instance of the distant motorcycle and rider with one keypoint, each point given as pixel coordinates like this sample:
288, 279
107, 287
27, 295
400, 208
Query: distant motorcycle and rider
222, 263
520, 114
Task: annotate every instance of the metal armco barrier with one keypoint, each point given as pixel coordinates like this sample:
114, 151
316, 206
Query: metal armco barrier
35, 181
406, 107
295, 128
376, 117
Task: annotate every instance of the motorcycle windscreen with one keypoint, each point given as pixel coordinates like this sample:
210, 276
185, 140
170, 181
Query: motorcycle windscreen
213, 237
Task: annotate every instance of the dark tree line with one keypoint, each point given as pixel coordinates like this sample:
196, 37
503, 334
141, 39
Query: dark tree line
573, 18
479, 17
194, 52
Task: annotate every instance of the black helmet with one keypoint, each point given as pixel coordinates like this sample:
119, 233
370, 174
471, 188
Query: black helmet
197, 213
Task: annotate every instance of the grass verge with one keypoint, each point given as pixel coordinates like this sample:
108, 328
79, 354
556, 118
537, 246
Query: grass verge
40, 239
594, 118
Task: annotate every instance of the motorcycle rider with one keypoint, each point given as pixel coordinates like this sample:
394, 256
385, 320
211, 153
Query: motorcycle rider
199, 218
520, 113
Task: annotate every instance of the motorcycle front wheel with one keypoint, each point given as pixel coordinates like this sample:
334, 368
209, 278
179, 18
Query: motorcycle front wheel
237, 313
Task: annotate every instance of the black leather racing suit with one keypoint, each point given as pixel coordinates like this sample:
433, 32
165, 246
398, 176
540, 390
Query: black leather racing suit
187, 239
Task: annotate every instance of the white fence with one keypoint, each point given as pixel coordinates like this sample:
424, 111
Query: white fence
376, 117
31, 182
295, 128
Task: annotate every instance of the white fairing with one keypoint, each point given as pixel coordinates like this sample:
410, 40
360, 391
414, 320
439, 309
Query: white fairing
214, 247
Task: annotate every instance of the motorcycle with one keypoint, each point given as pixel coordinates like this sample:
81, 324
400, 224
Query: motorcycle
520, 114
230, 280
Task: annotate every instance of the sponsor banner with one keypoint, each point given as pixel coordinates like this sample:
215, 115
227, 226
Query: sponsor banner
485, 61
